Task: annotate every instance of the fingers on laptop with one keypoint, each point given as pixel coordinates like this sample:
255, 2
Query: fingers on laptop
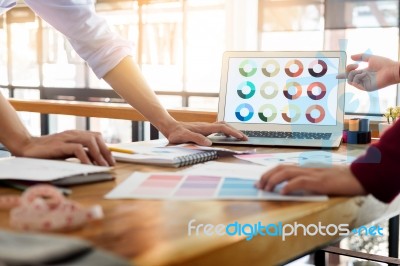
228, 130
184, 135
217, 127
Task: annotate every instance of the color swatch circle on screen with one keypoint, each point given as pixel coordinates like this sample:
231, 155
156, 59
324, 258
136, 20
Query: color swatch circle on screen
315, 119
265, 66
249, 109
263, 88
244, 65
290, 85
311, 94
241, 87
298, 72
291, 113
324, 68
272, 110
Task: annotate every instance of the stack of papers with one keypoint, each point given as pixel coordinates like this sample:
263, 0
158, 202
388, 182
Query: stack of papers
51, 171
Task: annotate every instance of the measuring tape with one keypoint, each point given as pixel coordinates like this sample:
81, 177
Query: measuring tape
44, 208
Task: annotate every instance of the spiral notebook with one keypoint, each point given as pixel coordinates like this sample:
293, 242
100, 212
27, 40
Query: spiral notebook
171, 156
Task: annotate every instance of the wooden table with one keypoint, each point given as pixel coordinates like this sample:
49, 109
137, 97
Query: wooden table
152, 232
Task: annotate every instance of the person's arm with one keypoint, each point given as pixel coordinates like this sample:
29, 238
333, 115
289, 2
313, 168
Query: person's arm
134, 89
88, 147
378, 170
110, 58
336, 180
380, 72
13, 134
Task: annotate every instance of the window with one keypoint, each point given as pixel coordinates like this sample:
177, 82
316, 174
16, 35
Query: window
352, 25
3, 52
364, 24
62, 67
205, 44
179, 44
369, 40
23, 41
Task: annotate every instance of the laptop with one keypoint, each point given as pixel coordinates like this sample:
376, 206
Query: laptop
283, 98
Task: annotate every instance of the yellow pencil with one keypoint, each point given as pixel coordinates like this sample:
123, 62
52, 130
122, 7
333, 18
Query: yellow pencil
121, 150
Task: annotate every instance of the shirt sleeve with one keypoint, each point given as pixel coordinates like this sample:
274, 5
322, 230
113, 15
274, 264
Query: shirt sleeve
378, 170
88, 33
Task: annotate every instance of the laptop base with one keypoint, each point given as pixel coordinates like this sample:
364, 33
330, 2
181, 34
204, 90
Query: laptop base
334, 142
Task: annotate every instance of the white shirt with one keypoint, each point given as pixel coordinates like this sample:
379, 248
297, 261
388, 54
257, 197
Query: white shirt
87, 32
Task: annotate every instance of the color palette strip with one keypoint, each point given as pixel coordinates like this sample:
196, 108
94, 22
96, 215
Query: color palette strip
196, 187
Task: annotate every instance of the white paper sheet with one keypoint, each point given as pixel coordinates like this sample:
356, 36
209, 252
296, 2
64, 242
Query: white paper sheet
242, 170
44, 170
307, 158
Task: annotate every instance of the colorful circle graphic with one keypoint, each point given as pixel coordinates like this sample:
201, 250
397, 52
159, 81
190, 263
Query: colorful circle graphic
244, 106
264, 86
298, 72
272, 73
291, 113
264, 117
292, 96
318, 96
322, 64
243, 65
246, 84
317, 119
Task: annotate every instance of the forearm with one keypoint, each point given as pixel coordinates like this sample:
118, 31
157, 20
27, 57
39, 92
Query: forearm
13, 134
396, 73
126, 79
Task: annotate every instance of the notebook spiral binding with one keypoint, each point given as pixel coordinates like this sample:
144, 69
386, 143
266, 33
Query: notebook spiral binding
197, 158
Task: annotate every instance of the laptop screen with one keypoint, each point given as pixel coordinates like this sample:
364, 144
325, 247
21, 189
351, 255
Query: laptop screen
284, 91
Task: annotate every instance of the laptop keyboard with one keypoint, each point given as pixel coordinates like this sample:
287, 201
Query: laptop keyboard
287, 135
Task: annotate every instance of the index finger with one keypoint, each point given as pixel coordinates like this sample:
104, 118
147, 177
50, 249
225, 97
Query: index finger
77, 150
89, 141
361, 57
304, 183
222, 127
265, 177
349, 68
285, 175
104, 149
